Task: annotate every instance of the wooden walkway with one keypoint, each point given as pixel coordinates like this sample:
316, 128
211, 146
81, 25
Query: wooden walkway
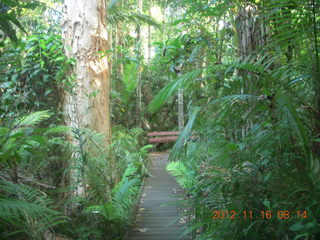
157, 216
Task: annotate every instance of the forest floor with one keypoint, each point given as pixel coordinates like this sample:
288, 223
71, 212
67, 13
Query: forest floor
159, 213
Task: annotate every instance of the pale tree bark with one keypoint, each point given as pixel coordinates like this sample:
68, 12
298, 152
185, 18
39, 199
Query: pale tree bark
85, 35
119, 53
147, 92
138, 90
251, 32
149, 36
180, 107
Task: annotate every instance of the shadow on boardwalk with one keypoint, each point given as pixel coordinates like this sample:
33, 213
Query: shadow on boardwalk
157, 216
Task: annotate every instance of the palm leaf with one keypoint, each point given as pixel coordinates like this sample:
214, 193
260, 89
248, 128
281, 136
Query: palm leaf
185, 134
183, 176
119, 15
32, 119
294, 121
169, 90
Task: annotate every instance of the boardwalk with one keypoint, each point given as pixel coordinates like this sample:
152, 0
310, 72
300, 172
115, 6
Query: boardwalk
156, 214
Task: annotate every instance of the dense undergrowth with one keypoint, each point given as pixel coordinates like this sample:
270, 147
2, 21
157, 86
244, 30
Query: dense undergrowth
254, 170
37, 182
32, 203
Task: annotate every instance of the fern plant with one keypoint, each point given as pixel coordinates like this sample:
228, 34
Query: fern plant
25, 209
28, 210
19, 139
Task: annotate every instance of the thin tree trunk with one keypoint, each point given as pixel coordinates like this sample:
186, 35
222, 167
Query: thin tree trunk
149, 37
120, 45
180, 108
147, 92
139, 94
87, 105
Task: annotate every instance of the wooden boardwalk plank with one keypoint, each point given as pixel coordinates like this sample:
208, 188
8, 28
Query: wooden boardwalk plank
160, 211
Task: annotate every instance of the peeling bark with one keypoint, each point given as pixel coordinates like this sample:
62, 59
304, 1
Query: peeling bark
251, 32
85, 36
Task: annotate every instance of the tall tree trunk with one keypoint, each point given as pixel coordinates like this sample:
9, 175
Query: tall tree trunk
139, 94
250, 30
85, 35
251, 34
149, 37
118, 50
147, 91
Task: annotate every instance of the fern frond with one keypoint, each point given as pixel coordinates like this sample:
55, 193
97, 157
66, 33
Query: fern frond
26, 203
122, 197
32, 119
121, 166
183, 176
58, 130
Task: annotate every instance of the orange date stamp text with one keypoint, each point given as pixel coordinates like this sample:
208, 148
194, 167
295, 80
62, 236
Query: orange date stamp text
264, 214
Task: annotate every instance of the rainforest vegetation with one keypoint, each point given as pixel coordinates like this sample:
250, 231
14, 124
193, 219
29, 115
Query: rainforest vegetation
83, 82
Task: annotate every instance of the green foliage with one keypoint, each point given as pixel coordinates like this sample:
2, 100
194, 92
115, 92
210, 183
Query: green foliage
111, 190
24, 209
172, 88
256, 118
126, 147
33, 74
20, 139
118, 14
9, 10
118, 211
181, 173
129, 79
27, 209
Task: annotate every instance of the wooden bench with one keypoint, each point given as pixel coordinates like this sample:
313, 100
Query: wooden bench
162, 137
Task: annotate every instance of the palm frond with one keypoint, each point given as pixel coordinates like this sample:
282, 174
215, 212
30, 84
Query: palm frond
32, 119
122, 195
169, 90
183, 176
57, 130
122, 16
293, 119
185, 134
